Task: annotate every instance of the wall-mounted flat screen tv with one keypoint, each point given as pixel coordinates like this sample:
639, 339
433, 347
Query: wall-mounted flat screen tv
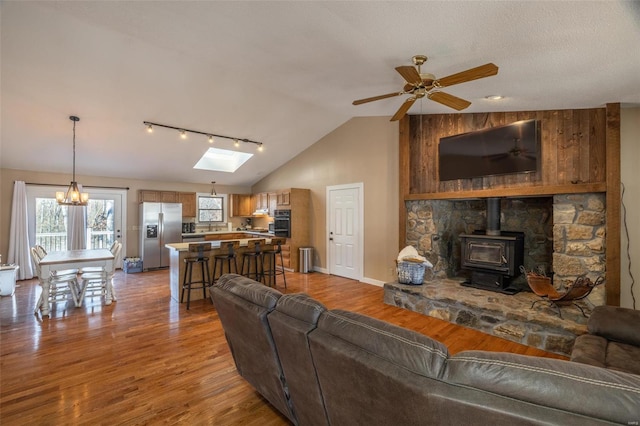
514, 148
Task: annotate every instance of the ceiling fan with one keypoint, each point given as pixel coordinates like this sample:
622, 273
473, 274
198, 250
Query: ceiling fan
516, 152
420, 85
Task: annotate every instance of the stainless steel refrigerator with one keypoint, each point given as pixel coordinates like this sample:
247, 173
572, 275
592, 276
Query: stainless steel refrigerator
160, 224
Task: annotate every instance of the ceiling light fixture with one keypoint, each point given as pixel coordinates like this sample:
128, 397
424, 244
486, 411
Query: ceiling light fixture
213, 188
73, 196
494, 97
149, 128
260, 148
209, 135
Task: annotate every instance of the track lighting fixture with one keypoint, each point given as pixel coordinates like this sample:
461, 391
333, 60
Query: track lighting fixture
210, 136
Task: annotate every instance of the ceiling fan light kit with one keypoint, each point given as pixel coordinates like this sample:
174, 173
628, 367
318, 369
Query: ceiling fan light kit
419, 85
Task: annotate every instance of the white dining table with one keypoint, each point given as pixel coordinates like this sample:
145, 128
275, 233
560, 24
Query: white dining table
71, 259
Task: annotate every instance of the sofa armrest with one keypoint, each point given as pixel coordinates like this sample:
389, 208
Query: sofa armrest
615, 323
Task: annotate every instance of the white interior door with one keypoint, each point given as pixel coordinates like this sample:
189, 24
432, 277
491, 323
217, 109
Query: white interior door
345, 230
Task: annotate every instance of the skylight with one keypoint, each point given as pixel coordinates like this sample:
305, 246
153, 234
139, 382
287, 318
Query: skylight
222, 160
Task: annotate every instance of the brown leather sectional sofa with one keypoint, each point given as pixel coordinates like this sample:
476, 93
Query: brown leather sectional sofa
612, 341
334, 367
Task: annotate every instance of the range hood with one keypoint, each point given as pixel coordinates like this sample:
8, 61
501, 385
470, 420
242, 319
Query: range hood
260, 212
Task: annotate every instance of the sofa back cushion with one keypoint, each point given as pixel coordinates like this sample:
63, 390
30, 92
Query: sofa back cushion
294, 317
575, 388
242, 305
375, 373
616, 323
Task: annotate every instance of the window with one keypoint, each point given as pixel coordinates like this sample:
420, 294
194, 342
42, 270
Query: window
210, 209
49, 222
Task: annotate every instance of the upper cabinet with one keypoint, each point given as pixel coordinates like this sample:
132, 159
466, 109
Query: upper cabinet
188, 200
145, 195
240, 205
284, 198
261, 201
272, 198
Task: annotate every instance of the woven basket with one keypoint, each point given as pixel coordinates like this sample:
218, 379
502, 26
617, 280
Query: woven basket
411, 272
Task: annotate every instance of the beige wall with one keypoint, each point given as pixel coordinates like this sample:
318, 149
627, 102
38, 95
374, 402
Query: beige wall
8, 176
363, 150
629, 161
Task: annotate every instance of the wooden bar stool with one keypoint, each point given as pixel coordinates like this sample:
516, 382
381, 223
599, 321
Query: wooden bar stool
269, 267
202, 250
253, 257
226, 253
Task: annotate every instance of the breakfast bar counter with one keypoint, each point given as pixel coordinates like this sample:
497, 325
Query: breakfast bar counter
179, 251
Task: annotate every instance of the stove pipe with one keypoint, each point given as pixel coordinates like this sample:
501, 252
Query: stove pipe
493, 216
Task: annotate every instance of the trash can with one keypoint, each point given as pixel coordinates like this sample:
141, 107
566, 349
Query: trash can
306, 259
8, 279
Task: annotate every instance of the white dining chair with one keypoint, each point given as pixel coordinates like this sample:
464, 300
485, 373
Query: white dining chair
101, 283
60, 286
42, 253
100, 268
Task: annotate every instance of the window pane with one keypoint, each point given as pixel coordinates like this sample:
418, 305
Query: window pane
100, 224
210, 203
210, 209
51, 224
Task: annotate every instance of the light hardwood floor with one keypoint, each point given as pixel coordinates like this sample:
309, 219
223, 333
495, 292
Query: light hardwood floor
147, 360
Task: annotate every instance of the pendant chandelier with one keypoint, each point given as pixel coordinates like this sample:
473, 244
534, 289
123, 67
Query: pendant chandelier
73, 196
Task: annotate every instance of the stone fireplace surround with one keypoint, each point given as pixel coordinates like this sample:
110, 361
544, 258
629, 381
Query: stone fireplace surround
564, 235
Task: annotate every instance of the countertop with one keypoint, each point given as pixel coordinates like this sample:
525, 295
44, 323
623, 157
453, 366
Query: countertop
248, 231
178, 247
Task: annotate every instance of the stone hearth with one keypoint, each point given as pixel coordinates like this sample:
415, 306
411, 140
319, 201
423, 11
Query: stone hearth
506, 316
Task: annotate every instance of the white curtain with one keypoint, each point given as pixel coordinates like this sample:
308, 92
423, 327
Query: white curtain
77, 232
19, 233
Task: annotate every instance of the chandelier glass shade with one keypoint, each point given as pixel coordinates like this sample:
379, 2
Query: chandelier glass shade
73, 196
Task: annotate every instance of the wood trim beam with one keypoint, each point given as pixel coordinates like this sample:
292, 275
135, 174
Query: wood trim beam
612, 239
404, 179
520, 191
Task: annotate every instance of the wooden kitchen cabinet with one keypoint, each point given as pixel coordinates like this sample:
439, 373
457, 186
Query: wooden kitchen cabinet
272, 198
240, 205
284, 198
146, 195
188, 200
286, 256
261, 201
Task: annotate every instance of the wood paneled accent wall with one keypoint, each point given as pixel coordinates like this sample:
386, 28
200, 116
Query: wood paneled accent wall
580, 153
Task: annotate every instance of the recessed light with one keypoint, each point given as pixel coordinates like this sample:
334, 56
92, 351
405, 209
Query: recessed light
494, 97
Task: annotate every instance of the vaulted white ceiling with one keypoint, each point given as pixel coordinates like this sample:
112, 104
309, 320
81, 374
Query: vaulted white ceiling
280, 72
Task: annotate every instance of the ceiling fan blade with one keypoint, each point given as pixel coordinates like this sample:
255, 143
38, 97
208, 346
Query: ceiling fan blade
486, 70
376, 98
403, 109
449, 100
410, 74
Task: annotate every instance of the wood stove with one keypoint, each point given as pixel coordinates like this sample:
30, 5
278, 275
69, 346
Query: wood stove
493, 256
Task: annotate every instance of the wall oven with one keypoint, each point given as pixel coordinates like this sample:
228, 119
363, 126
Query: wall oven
282, 223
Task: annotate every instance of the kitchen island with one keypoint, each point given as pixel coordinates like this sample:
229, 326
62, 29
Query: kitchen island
179, 251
